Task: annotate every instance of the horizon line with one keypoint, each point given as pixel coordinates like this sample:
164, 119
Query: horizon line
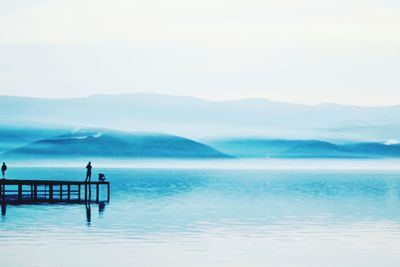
202, 98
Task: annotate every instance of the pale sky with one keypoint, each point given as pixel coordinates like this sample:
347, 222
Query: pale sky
303, 51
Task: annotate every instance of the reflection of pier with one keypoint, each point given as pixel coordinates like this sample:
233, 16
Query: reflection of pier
48, 191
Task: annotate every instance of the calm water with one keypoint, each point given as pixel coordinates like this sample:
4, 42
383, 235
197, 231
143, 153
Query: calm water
212, 218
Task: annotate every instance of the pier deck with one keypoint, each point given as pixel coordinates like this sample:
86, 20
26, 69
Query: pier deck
17, 190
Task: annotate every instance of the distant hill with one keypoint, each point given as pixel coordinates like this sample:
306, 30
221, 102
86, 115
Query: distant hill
115, 145
41, 144
198, 118
275, 148
14, 137
374, 149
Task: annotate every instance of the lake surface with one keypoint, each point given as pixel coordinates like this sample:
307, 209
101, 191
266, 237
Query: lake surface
172, 217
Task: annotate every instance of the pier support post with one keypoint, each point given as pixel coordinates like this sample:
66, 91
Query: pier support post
19, 192
79, 192
86, 189
4, 192
61, 191
69, 192
90, 191
97, 192
108, 192
51, 192
35, 192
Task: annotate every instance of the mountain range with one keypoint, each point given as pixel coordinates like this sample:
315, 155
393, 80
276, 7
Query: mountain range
90, 144
37, 128
198, 118
278, 148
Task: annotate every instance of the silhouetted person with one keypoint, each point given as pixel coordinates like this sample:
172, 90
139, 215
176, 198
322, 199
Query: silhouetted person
88, 172
3, 169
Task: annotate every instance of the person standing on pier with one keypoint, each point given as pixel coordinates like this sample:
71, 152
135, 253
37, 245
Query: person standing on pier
88, 172
3, 169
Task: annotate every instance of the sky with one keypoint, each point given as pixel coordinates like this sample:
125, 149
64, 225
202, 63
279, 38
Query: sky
301, 51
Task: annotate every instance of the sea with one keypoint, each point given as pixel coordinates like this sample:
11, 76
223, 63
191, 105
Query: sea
199, 216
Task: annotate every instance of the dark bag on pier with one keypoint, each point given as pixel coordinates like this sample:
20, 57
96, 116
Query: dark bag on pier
102, 177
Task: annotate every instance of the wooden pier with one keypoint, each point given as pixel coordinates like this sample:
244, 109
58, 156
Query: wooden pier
18, 191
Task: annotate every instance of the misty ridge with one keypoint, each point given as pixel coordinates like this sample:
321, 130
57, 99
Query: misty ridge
103, 143
138, 125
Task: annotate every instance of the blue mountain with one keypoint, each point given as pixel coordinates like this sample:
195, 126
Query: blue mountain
115, 145
374, 149
275, 148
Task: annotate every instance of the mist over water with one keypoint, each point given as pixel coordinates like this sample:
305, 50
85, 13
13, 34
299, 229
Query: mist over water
235, 163
213, 217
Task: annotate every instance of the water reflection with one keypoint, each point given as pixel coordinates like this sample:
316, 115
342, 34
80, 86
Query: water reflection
206, 218
3, 209
88, 213
101, 208
88, 204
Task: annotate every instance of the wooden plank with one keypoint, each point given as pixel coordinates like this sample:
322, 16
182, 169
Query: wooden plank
47, 182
